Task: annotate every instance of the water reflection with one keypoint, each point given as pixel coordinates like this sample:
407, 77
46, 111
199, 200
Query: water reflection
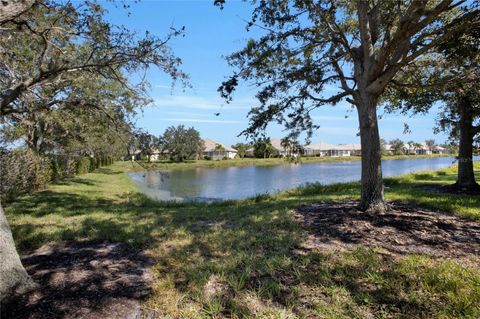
240, 182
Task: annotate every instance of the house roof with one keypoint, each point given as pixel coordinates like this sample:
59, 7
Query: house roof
211, 144
349, 147
329, 147
320, 147
277, 144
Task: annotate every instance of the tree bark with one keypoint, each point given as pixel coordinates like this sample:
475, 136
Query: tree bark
466, 174
372, 197
9, 9
13, 276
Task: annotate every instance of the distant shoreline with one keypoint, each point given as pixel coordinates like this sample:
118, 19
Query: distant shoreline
239, 162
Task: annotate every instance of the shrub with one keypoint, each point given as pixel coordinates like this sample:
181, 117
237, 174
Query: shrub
22, 171
93, 164
83, 165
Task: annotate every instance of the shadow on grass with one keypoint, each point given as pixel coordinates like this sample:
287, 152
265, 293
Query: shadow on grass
244, 258
83, 281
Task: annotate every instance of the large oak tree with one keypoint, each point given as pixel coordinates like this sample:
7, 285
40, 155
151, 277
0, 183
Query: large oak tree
359, 47
44, 43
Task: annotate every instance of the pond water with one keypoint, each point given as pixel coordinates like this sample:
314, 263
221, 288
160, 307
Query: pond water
208, 184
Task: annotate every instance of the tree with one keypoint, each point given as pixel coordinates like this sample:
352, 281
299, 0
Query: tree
47, 44
430, 144
92, 115
461, 114
10, 9
397, 147
182, 143
241, 149
263, 148
457, 70
147, 143
359, 46
64, 39
383, 147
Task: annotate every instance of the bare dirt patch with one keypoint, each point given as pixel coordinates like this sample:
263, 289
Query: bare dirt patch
404, 229
107, 280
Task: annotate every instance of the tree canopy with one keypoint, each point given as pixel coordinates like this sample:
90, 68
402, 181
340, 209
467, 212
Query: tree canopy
314, 53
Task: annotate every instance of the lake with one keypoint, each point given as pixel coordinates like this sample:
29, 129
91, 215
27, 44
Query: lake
208, 184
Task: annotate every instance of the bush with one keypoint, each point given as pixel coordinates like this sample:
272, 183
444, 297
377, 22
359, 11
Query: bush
22, 171
208, 158
83, 165
93, 164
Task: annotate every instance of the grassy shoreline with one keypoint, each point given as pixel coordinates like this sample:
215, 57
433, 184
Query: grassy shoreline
236, 258
237, 162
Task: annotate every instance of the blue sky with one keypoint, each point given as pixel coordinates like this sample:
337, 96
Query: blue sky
210, 35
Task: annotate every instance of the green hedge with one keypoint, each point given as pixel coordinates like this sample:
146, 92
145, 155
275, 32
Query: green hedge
23, 171
83, 165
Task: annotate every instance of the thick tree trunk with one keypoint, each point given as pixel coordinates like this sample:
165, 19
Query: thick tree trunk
13, 276
372, 198
466, 174
10, 9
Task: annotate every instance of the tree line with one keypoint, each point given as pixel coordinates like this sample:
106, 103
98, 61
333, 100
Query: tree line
177, 144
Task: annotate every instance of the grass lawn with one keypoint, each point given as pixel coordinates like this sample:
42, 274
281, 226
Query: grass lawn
236, 258
254, 161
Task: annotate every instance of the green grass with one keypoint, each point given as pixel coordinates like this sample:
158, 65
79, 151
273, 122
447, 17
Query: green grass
236, 258
141, 165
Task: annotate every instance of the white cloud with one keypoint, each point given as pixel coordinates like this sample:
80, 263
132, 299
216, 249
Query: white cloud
191, 120
204, 103
163, 86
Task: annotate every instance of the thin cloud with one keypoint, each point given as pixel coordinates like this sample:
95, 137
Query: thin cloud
202, 103
163, 86
203, 121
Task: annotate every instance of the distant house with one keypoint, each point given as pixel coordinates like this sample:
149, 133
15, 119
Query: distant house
439, 150
320, 149
389, 149
419, 149
284, 150
347, 150
216, 151
325, 149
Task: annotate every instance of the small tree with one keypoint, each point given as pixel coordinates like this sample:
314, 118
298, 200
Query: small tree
397, 147
383, 147
263, 148
147, 144
182, 144
241, 149
430, 145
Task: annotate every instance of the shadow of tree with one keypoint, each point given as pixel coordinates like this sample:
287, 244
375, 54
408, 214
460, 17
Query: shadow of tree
254, 246
83, 280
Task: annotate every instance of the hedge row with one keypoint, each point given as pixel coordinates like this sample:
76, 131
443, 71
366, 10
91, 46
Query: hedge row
23, 171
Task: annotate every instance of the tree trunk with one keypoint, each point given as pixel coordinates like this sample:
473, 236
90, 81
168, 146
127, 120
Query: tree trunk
13, 276
466, 174
10, 9
372, 198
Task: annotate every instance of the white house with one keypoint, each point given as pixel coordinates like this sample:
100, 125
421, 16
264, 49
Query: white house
325, 149
439, 150
320, 149
420, 149
217, 151
284, 150
347, 150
